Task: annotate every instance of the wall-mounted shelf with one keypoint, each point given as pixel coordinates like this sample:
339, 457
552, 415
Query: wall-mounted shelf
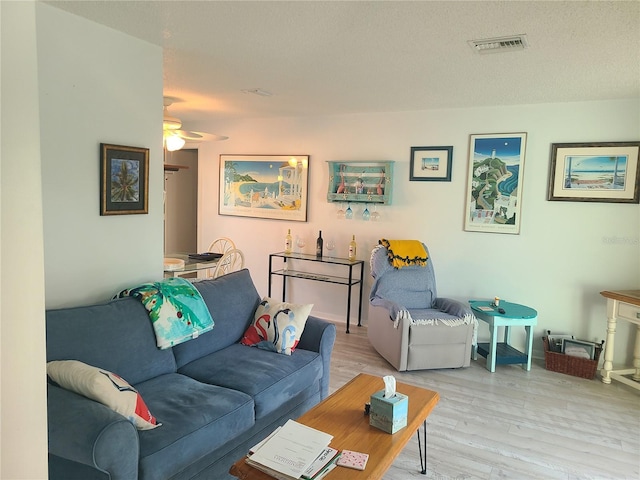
363, 182
173, 168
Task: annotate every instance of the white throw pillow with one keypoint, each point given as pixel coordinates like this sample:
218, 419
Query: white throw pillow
104, 387
277, 326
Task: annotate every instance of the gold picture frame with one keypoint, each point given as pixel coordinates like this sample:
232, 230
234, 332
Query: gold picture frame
124, 180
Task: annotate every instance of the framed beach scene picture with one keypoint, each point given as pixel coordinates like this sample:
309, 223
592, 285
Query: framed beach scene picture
595, 172
494, 188
264, 186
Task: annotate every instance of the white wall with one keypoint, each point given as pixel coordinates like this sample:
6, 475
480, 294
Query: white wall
23, 418
566, 253
97, 85
67, 85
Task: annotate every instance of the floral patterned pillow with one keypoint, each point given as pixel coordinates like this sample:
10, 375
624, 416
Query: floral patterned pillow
277, 326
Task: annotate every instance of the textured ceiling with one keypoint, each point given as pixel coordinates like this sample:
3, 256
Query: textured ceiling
356, 57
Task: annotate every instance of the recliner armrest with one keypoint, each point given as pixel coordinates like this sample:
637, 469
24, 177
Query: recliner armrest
92, 434
452, 307
393, 307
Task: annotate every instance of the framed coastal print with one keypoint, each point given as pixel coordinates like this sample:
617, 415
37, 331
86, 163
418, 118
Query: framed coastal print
124, 180
431, 164
595, 172
494, 187
264, 186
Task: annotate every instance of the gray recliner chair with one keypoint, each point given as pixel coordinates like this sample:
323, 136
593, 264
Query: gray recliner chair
409, 325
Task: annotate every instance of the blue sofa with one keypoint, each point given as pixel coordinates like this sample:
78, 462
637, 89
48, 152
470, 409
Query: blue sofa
214, 397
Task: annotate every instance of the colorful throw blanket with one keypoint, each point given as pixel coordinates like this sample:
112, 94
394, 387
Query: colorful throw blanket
403, 253
176, 309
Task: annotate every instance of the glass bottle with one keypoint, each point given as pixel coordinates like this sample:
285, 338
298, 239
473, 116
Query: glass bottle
319, 245
288, 243
352, 249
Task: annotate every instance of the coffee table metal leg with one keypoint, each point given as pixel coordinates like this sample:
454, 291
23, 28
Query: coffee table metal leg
422, 447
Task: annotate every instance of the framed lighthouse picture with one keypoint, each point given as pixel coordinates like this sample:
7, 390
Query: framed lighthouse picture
495, 179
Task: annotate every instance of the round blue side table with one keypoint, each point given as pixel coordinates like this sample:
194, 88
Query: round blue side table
515, 315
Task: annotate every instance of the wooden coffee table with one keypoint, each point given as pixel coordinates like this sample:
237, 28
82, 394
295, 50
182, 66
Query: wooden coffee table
342, 415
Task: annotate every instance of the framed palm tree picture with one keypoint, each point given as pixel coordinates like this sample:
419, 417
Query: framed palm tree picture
595, 172
124, 180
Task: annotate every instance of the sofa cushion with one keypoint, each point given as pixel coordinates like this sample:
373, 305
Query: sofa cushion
270, 379
104, 387
116, 336
196, 419
232, 299
277, 326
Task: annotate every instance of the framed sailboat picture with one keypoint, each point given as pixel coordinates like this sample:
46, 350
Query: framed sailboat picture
264, 186
595, 172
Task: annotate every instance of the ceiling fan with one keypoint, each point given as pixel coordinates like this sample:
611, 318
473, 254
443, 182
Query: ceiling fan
173, 135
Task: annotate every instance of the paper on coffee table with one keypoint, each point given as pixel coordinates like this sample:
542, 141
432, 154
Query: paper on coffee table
292, 449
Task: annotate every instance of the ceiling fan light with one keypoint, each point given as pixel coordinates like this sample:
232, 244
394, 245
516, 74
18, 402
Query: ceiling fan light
171, 123
174, 142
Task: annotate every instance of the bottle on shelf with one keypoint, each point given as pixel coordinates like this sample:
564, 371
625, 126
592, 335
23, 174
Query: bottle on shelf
352, 249
319, 245
288, 243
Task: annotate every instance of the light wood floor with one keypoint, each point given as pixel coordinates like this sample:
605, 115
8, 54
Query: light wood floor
511, 424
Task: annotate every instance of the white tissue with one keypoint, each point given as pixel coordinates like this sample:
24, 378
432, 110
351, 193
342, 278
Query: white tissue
389, 386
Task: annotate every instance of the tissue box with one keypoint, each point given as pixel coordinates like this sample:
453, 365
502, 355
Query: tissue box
388, 414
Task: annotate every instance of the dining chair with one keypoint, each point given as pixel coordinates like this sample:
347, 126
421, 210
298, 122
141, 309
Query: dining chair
231, 261
222, 245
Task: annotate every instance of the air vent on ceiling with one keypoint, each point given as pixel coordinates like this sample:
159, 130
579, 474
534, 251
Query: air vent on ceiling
257, 91
500, 44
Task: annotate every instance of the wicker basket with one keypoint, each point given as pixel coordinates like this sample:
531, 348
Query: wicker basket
576, 366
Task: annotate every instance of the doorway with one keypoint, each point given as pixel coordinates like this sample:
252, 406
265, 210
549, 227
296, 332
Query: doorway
181, 202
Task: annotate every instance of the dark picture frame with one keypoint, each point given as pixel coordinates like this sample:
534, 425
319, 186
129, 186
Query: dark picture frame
431, 164
595, 172
124, 180
272, 187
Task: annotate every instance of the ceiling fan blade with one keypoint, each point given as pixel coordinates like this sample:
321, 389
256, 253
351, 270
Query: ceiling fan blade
172, 127
187, 135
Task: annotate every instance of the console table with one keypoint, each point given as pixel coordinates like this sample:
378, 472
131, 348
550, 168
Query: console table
623, 305
347, 265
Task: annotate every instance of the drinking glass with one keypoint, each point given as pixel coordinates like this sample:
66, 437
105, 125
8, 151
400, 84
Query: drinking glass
375, 216
365, 214
340, 212
331, 245
300, 242
348, 214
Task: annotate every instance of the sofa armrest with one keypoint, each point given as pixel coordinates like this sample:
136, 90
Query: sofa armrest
319, 336
89, 433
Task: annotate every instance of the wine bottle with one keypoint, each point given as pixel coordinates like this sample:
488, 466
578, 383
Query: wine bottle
352, 249
288, 243
319, 245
